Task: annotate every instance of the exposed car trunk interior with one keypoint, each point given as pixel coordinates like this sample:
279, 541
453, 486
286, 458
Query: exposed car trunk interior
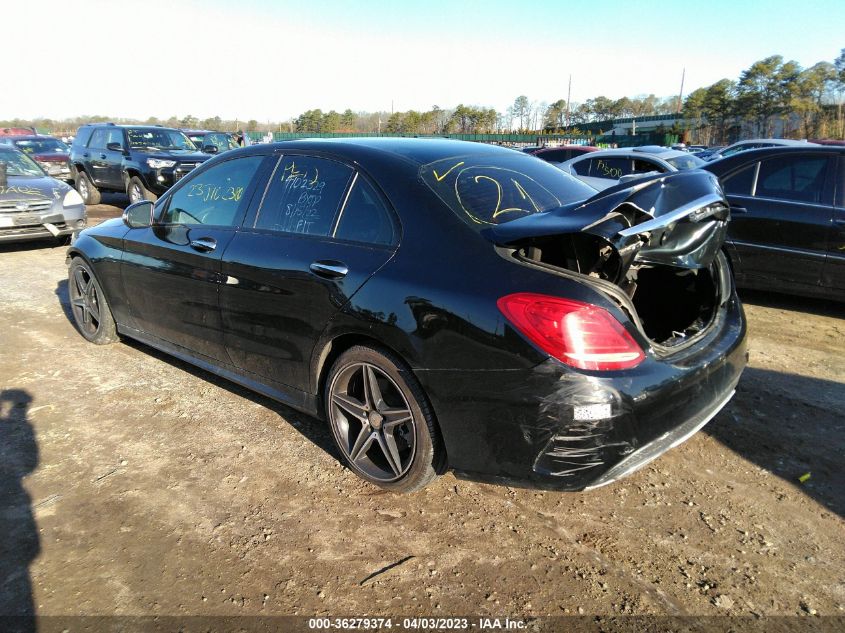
659, 245
673, 303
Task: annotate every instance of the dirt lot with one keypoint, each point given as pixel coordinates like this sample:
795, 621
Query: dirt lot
134, 484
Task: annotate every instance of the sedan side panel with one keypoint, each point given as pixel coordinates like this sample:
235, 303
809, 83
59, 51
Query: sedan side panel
274, 305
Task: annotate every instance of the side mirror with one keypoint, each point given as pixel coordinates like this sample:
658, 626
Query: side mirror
210, 149
114, 147
139, 215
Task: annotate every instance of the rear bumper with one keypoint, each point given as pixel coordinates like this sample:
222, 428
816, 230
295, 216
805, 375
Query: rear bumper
556, 428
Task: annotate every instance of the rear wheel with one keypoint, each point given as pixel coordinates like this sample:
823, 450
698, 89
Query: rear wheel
381, 420
91, 311
137, 191
90, 194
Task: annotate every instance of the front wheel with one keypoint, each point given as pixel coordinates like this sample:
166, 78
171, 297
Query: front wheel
137, 191
91, 311
89, 193
381, 420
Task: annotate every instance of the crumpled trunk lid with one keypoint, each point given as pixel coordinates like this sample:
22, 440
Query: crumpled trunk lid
678, 220
658, 240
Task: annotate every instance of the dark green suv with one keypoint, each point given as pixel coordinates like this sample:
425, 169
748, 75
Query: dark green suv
141, 161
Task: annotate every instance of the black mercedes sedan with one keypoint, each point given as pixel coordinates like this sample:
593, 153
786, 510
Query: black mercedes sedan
787, 232
441, 304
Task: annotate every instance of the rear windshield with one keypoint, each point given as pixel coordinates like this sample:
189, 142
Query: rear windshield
487, 190
41, 146
687, 161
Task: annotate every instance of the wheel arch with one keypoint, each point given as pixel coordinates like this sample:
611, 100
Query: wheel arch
331, 350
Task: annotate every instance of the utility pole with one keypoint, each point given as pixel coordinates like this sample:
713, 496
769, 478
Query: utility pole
681, 94
568, 99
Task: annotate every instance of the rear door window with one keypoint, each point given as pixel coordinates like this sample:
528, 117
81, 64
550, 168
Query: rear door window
98, 139
742, 182
799, 178
644, 166
364, 217
582, 167
304, 196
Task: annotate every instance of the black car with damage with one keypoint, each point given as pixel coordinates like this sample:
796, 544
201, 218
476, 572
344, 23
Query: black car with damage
443, 305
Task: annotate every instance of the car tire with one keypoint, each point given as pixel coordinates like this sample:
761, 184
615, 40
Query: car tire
137, 192
91, 313
387, 433
90, 194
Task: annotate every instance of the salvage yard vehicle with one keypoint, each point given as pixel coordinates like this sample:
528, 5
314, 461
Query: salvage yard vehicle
32, 204
754, 143
608, 167
442, 304
212, 142
562, 153
788, 228
52, 154
142, 161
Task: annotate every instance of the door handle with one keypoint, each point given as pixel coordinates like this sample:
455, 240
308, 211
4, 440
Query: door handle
738, 209
329, 269
85, 155
204, 244
103, 156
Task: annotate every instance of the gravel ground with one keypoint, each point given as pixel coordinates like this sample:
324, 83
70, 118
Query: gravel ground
131, 483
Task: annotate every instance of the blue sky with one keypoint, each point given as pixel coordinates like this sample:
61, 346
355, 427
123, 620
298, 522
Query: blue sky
273, 60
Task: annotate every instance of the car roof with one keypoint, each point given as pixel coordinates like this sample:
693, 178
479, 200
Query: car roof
752, 155
142, 126
774, 141
417, 150
30, 137
652, 150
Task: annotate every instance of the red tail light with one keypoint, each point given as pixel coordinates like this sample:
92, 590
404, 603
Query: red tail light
579, 334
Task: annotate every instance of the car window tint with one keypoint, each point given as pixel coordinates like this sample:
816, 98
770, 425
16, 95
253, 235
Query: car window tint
644, 166
364, 217
741, 182
582, 167
555, 155
213, 197
611, 168
98, 139
304, 196
115, 135
799, 178
840, 183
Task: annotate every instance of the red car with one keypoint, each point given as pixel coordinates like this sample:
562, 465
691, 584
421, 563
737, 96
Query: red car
562, 153
50, 153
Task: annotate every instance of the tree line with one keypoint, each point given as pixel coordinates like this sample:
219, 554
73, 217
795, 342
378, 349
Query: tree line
808, 99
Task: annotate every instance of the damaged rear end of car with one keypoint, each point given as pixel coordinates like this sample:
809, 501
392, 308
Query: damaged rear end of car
649, 358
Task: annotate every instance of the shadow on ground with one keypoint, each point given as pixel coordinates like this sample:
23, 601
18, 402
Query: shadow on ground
19, 543
820, 307
785, 423
790, 425
311, 428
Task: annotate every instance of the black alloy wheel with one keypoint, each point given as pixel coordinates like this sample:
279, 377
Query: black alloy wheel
381, 421
90, 310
